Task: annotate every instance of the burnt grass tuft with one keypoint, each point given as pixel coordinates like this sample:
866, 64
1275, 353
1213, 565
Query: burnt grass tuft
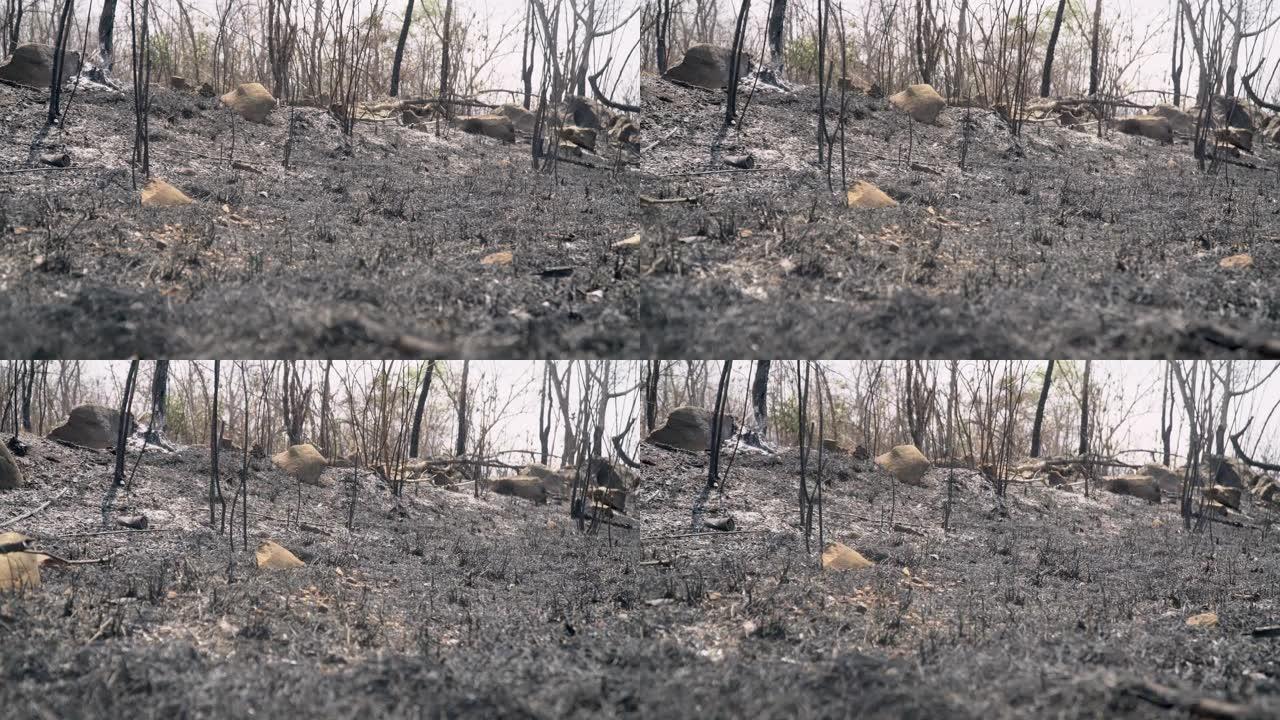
442, 605
1057, 242
362, 248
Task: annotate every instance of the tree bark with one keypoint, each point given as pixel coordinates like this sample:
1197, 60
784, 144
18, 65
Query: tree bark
1095, 49
1039, 421
122, 427
159, 396
1084, 410
417, 411
460, 446
1047, 76
445, 51
395, 64
735, 63
106, 35
717, 425
760, 397
651, 381
777, 23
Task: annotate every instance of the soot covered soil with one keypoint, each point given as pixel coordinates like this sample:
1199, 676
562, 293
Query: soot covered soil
445, 605
362, 248
1058, 242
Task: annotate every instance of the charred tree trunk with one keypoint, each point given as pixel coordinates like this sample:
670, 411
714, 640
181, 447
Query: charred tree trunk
417, 411
717, 424
445, 50
528, 53
544, 414
326, 447
159, 397
1047, 77
28, 389
1095, 49
1166, 419
760, 397
460, 445
1038, 425
215, 445
735, 63
651, 382
662, 27
1084, 409
59, 60
777, 23
106, 35
404, 37
122, 427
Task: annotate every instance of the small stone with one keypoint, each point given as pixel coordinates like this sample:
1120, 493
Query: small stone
499, 258
629, 243
135, 522
159, 193
865, 195
1236, 262
61, 159
745, 162
1207, 619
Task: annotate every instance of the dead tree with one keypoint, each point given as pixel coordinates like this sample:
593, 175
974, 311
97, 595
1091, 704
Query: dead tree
662, 31
460, 445
928, 39
282, 35
294, 401
1047, 76
141, 69
122, 427
717, 424
1177, 56
652, 378
735, 63
1084, 410
59, 60
106, 35
446, 49
422, 404
760, 398
1038, 425
159, 398
1095, 50
775, 33
395, 64
215, 444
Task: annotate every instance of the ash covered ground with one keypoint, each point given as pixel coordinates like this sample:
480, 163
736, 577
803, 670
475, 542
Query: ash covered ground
364, 247
1049, 604
1056, 242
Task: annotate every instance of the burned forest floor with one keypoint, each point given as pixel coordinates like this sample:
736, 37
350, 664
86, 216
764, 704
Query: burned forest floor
442, 604
364, 246
1056, 242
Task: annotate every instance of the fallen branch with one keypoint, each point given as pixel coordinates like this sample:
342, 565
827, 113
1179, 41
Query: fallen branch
648, 200
110, 532
26, 515
52, 168
713, 533
659, 141
726, 171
